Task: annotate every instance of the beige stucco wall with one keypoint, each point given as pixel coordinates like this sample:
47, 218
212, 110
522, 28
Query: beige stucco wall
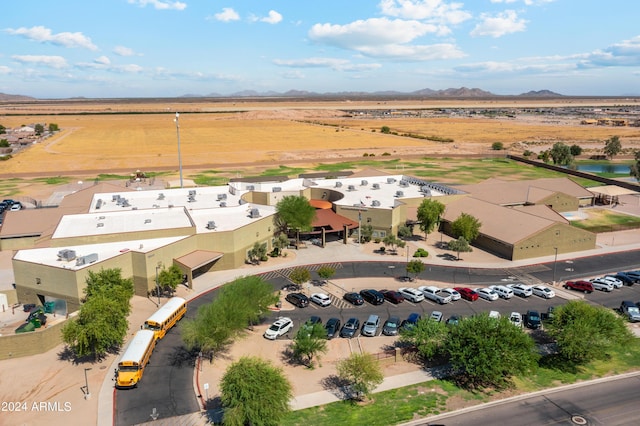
21, 243
124, 236
565, 237
560, 202
36, 342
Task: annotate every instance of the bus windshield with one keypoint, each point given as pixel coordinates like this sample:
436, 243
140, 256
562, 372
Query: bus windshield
125, 368
153, 327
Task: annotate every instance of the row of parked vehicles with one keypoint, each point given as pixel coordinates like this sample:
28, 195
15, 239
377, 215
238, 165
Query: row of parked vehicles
606, 283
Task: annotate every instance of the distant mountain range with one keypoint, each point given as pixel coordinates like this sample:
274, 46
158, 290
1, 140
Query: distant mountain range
462, 92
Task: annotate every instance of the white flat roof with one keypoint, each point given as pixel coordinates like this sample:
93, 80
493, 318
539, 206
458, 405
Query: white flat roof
106, 223
229, 218
49, 256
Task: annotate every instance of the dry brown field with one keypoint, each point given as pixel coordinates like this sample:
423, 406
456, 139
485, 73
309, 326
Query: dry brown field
250, 134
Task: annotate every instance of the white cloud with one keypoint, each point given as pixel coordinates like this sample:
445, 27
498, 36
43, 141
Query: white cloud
430, 10
123, 51
44, 35
161, 4
273, 17
498, 25
333, 63
48, 61
385, 38
4, 70
102, 60
227, 15
626, 53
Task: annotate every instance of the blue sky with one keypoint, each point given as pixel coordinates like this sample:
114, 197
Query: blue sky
167, 48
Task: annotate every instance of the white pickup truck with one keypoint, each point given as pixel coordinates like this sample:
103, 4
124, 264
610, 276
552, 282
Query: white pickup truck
433, 293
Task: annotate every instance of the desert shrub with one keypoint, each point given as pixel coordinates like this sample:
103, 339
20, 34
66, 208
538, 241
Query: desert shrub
421, 253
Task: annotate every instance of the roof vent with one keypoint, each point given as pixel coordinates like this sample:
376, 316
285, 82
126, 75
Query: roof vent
399, 194
391, 180
403, 183
192, 192
254, 213
100, 217
223, 204
100, 225
375, 203
115, 197
125, 203
211, 224
192, 198
147, 221
276, 189
364, 183
241, 201
161, 196
376, 186
338, 184
98, 203
351, 188
251, 187
221, 197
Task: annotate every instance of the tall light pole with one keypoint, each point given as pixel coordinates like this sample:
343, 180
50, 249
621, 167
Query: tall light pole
179, 155
87, 394
555, 262
158, 266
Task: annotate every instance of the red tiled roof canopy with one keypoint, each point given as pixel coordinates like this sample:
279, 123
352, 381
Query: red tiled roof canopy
331, 222
320, 204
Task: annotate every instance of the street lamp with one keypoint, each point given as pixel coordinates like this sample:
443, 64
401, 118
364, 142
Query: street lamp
87, 394
179, 155
158, 266
555, 262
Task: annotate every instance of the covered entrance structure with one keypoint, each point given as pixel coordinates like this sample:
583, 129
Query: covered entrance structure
197, 263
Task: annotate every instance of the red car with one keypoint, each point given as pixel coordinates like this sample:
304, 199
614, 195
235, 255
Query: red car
467, 294
393, 296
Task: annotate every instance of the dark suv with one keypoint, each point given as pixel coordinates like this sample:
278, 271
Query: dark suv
532, 320
372, 296
584, 286
297, 299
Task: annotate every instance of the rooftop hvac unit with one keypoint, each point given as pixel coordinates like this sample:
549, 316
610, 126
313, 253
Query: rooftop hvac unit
100, 225
351, 188
100, 217
161, 196
115, 197
211, 224
391, 180
147, 221
276, 189
403, 183
192, 192
338, 184
375, 203
85, 260
426, 191
254, 213
241, 201
223, 204
66, 255
251, 187
399, 193
364, 183
125, 203
221, 197
376, 186
192, 198
98, 203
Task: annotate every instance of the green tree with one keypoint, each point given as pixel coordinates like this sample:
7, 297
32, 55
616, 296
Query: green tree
53, 127
362, 372
393, 241
366, 233
254, 392
243, 302
110, 282
486, 351
561, 154
415, 267
296, 212
576, 319
466, 226
385, 129
405, 231
461, 245
309, 342
326, 272
4, 143
257, 253
280, 242
612, 146
170, 278
427, 336
3, 129
39, 129
429, 215
299, 276
544, 156
575, 150
497, 146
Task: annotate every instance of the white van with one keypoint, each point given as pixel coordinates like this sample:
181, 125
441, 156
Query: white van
503, 292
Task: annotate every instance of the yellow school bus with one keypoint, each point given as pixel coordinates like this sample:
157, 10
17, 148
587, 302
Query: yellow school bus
134, 360
166, 317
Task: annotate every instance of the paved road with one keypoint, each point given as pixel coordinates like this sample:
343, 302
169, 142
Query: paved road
167, 384
611, 403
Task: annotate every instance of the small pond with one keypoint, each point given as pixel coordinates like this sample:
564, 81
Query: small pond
622, 169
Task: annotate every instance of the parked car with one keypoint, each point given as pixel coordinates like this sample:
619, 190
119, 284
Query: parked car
630, 310
601, 285
411, 294
453, 320
633, 274
494, 314
543, 291
625, 278
333, 327
532, 320
579, 285
516, 319
502, 291
353, 298
521, 290
321, 299
372, 296
436, 316
616, 282
393, 296
350, 328
487, 294
390, 326
451, 292
467, 294
434, 294
16, 206
280, 327
297, 299
370, 326
410, 322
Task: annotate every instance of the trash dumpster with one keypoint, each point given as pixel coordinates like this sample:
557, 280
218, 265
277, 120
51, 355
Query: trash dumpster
49, 307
